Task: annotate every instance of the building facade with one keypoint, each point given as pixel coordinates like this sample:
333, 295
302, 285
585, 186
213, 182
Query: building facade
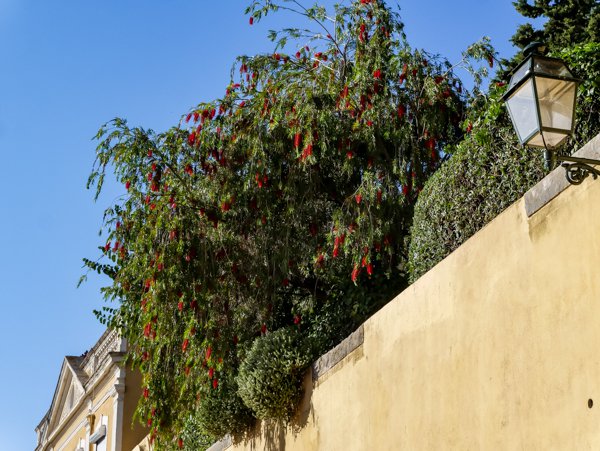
94, 401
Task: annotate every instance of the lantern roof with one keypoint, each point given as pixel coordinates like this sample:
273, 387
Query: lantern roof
538, 65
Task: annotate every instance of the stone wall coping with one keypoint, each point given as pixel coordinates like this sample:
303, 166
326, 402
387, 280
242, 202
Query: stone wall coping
556, 182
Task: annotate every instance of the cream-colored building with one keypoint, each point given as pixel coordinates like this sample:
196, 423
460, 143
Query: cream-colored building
93, 404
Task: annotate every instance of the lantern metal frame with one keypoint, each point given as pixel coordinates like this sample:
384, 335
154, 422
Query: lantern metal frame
577, 169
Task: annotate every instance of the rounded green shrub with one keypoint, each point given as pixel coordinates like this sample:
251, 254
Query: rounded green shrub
270, 376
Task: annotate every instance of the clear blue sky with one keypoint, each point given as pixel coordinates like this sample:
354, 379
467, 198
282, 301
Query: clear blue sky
68, 66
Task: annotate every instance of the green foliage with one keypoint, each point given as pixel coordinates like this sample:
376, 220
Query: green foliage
567, 22
271, 374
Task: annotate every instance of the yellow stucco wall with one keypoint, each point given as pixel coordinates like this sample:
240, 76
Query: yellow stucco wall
133, 431
496, 348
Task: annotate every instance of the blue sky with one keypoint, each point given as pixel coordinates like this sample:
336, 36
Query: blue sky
66, 68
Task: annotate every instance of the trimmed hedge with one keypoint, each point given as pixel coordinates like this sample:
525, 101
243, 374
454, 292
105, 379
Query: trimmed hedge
489, 170
483, 177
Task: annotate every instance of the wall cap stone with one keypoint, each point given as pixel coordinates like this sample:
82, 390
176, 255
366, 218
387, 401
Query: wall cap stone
222, 444
329, 360
556, 182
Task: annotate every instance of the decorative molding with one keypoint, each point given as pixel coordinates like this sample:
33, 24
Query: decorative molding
99, 434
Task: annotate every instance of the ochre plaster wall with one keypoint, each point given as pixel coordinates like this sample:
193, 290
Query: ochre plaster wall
133, 431
496, 348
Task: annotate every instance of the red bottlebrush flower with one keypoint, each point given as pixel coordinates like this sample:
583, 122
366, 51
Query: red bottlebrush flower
370, 123
251, 20
189, 169
187, 370
149, 422
298, 55
355, 273
500, 84
469, 127
192, 138
414, 72
491, 60
263, 219
149, 153
146, 393
307, 152
149, 176
107, 246
401, 111
263, 329
362, 34
208, 353
297, 140
320, 260
152, 206
277, 56
180, 443
438, 79
188, 117
193, 304
145, 356
297, 319
185, 345
379, 195
215, 383
370, 269
242, 104
363, 262
196, 116
285, 282
402, 78
405, 190
127, 185
344, 93
180, 306
235, 339
377, 74
358, 198
225, 206
172, 234
430, 143
349, 155
211, 373
147, 329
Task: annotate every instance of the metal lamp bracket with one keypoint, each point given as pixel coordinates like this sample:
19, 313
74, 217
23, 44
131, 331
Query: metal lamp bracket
578, 169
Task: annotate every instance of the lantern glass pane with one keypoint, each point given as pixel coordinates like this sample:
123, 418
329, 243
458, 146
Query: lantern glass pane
522, 108
545, 66
557, 102
519, 74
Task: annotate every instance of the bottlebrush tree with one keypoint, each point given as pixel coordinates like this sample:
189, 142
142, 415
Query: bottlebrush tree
261, 207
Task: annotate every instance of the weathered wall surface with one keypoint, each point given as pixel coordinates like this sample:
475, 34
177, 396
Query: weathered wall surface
497, 347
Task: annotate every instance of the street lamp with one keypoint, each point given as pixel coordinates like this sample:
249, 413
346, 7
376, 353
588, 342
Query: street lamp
540, 99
